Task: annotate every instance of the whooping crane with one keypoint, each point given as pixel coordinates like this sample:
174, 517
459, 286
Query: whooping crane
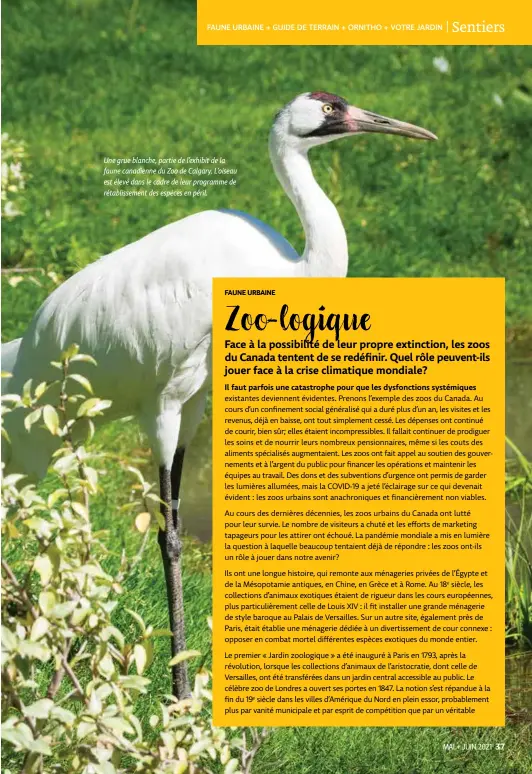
144, 312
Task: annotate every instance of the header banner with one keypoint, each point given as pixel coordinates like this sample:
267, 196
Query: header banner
307, 22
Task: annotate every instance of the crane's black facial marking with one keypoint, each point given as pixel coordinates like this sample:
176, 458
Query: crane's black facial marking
335, 122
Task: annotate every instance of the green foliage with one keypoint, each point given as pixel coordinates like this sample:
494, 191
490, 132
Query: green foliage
71, 678
518, 564
13, 181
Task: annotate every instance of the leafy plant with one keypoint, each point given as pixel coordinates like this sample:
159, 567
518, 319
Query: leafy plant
70, 677
518, 565
13, 181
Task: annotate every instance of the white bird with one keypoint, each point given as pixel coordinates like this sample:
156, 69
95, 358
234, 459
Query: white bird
144, 312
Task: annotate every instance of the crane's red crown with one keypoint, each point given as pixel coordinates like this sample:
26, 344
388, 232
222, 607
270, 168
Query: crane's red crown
334, 99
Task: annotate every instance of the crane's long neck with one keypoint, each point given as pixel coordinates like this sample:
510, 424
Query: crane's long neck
325, 252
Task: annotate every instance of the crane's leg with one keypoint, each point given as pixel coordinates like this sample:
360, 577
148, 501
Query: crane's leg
170, 544
170, 427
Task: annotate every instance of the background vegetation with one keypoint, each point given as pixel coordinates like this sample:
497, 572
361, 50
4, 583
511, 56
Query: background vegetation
84, 79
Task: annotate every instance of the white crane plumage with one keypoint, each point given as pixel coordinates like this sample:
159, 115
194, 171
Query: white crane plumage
144, 311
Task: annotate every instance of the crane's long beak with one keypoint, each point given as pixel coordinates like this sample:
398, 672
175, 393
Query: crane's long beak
365, 121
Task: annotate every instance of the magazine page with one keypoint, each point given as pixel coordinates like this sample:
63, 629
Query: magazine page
266, 387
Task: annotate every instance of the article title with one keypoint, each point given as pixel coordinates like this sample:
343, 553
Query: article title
308, 321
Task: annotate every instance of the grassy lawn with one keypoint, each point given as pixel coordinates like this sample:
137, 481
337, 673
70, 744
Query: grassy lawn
83, 80
87, 79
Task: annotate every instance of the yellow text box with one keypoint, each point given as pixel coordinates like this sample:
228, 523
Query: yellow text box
359, 502
300, 22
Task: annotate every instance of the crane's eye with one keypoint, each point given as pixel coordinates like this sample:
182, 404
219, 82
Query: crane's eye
327, 108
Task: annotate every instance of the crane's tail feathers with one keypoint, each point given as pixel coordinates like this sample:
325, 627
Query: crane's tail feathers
9, 358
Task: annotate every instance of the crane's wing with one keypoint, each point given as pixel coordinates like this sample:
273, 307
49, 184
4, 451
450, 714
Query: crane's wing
144, 311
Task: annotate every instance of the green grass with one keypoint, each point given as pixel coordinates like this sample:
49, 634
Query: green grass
395, 751
82, 82
518, 564
84, 79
